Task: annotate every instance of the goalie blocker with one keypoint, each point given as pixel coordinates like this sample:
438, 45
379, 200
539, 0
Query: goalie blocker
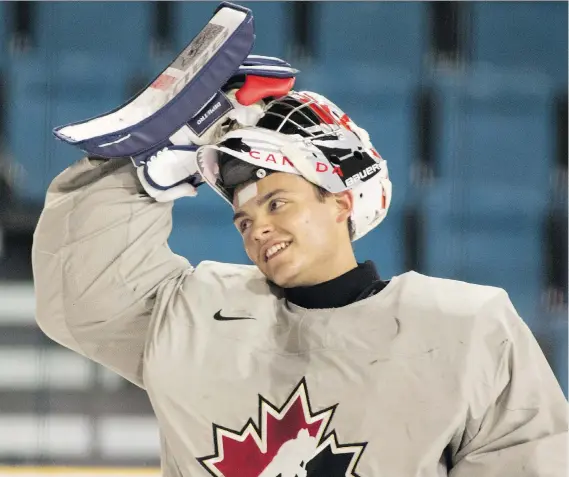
187, 92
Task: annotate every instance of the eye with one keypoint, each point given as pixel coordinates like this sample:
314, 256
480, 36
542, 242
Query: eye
244, 225
275, 204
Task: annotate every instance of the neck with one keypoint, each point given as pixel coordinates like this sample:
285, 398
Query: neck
340, 264
356, 284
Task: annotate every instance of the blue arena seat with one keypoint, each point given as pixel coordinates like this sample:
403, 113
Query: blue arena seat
189, 19
484, 217
203, 230
487, 235
528, 35
378, 33
272, 28
271, 23
44, 94
4, 40
119, 29
26, 114
495, 126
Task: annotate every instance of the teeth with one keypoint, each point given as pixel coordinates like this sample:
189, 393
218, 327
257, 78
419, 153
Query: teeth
275, 248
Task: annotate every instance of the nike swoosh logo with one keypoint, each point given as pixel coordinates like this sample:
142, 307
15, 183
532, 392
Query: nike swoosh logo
218, 316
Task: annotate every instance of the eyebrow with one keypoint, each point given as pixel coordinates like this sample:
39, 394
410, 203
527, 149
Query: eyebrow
260, 201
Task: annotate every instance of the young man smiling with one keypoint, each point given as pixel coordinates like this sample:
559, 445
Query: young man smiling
305, 363
293, 233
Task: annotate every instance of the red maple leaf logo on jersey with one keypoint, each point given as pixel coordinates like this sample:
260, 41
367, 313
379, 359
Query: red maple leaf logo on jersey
288, 442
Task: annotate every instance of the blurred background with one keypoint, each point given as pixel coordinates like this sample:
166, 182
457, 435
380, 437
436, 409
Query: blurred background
467, 101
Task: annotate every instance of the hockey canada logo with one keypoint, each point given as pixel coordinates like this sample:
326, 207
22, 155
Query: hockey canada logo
291, 441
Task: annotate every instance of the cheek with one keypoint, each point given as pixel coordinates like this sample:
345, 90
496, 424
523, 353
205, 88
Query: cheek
312, 228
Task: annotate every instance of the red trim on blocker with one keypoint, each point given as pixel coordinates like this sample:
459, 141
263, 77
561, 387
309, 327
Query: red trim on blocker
259, 87
163, 82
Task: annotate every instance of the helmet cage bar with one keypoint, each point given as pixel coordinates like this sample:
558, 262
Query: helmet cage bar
293, 109
298, 108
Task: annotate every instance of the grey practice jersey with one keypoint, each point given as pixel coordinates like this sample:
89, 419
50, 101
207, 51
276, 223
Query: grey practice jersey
428, 378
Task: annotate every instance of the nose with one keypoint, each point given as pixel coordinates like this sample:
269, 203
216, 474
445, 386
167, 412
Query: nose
261, 230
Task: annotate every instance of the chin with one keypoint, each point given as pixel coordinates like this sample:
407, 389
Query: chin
284, 282
285, 275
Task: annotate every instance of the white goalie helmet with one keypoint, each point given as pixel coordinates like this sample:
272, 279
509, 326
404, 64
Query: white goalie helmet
303, 133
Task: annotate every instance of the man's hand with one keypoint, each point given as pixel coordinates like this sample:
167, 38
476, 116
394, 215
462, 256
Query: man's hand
170, 174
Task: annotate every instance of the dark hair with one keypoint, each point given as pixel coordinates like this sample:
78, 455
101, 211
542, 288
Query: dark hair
321, 194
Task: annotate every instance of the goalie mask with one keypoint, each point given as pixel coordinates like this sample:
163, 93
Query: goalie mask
305, 134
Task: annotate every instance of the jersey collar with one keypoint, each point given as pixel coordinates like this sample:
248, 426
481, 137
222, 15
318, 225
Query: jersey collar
359, 283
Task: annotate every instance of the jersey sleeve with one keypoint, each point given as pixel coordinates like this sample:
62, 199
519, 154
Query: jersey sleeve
99, 257
517, 415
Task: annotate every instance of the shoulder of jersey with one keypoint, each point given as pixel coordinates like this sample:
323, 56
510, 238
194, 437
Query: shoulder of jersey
445, 296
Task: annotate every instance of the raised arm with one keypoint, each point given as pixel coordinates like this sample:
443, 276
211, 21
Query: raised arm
99, 256
100, 250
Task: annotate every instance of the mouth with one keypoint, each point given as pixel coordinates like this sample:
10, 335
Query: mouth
275, 250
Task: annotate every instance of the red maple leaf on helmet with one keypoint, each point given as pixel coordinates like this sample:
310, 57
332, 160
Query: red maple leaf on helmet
324, 112
330, 116
284, 442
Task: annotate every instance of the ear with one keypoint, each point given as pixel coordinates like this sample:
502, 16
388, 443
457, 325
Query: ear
344, 205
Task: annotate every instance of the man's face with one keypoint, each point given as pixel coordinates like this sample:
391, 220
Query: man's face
292, 236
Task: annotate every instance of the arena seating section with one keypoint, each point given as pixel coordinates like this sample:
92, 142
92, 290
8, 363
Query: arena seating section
478, 213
